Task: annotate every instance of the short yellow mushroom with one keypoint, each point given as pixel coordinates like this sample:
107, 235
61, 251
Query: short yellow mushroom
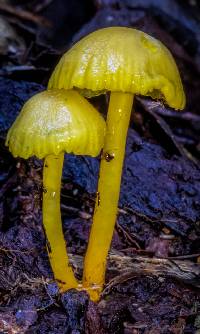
49, 124
125, 62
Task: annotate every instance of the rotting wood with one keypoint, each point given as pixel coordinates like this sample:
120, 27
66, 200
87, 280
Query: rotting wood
124, 268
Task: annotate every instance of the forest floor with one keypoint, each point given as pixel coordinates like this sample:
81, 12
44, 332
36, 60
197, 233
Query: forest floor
153, 274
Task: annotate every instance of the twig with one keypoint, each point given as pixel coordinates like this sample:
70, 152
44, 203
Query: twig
127, 236
72, 210
150, 107
12, 69
7, 250
24, 14
126, 268
185, 116
42, 5
184, 257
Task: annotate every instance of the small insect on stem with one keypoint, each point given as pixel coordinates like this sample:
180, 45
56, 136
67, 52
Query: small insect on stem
108, 157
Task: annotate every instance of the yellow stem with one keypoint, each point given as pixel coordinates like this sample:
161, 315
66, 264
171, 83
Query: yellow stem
52, 223
108, 193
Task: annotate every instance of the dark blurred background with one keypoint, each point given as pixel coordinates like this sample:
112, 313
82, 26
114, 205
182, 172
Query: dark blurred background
34, 33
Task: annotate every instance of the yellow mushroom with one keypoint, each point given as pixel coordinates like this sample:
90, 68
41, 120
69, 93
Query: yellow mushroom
49, 124
125, 62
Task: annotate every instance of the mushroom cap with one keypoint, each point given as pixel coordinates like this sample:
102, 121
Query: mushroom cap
54, 121
120, 59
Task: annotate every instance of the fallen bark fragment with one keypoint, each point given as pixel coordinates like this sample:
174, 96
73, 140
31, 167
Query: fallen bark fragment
125, 268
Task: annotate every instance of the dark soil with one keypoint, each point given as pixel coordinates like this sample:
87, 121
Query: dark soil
153, 276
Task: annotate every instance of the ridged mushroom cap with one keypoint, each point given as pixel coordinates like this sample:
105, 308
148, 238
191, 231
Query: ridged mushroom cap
54, 121
120, 59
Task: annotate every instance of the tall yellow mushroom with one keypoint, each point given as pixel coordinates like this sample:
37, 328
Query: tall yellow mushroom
125, 62
49, 124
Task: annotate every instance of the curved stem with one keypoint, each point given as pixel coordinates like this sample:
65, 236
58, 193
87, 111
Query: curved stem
108, 193
52, 223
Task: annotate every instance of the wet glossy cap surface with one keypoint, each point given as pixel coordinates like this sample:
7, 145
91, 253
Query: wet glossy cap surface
120, 59
54, 121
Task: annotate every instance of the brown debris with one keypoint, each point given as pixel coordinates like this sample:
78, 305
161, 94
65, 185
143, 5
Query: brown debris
125, 268
24, 14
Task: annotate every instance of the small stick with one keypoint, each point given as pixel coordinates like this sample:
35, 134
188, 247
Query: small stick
127, 267
24, 14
